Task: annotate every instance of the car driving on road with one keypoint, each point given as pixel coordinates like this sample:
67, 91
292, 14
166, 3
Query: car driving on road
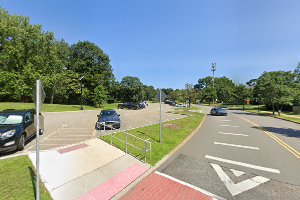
218, 112
109, 119
16, 127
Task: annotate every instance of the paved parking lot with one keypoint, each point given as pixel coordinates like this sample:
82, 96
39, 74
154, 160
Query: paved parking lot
66, 128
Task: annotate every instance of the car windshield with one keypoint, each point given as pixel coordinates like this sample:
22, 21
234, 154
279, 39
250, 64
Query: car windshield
9, 119
219, 109
107, 113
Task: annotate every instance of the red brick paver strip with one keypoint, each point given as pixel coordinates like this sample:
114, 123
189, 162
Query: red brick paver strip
113, 186
72, 148
158, 187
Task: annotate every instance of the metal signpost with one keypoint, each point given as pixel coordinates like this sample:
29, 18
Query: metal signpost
160, 96
40, 97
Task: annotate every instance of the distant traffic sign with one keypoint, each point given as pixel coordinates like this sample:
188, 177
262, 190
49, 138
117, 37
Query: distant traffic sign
163, 96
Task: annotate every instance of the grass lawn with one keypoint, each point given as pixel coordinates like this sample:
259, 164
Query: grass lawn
52, 107
174, 132
18, 179
290, 116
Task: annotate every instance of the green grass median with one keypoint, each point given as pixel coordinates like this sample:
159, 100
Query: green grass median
261, 110
174, 132
18, 180
52, 107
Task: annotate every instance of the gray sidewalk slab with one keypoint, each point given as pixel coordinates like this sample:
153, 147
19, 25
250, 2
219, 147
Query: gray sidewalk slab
81, 185
57, 169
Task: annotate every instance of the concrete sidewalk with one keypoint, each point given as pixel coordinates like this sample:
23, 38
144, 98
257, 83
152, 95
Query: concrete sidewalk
90, 170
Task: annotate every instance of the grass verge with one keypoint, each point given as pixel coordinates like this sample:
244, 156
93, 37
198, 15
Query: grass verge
52, 107
174, 132
18, 179
290, 116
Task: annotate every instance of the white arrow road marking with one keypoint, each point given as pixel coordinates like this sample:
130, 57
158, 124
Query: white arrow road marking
243, 164
236, 145
240, 187
237, 173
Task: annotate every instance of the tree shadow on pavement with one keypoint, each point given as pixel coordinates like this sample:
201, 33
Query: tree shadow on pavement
282, 131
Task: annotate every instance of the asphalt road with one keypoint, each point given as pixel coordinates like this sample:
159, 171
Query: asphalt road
67, 128
234, 159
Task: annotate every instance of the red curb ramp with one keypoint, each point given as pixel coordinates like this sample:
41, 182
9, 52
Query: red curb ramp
117, 183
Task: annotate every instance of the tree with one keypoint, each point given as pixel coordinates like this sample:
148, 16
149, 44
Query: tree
150, 93
24, 53
131, 89
225, 89
89, 60
100, 96
275, 88
190, 93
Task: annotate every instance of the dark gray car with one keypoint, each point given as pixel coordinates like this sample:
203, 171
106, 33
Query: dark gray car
218, 112
109, 119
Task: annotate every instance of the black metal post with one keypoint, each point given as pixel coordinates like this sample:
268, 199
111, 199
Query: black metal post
81, 108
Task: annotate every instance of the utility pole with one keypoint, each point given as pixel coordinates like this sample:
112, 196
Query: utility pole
213, 69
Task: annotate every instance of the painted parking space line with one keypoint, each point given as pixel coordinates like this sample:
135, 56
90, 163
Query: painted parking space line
225, 120
236, 145
236, 134
189, 185
276, 171
225, 125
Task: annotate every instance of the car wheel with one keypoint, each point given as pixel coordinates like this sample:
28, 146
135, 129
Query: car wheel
21, 143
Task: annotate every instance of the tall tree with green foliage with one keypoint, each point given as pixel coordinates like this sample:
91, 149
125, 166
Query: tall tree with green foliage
275, 88
131, 89
89, 60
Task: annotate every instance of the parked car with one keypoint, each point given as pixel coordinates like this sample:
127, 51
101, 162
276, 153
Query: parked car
180, 105
218, 112
143, 104
16, 127
129, 105
109, 119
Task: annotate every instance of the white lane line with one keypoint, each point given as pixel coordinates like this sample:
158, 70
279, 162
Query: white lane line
229, 125
243, 164
236, 145
226, 120
189, 185
237, 134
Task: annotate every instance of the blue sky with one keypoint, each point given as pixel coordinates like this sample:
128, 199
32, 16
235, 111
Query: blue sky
167, 43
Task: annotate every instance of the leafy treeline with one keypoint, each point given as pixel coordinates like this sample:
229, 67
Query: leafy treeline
27, 53
274, 89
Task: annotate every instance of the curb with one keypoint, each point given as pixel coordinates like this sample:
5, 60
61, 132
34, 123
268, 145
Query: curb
158, 164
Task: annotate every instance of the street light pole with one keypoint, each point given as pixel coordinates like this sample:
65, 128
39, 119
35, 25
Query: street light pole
80, 79
213, 69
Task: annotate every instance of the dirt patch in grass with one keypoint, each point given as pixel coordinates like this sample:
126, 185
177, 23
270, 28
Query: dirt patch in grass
171, 126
